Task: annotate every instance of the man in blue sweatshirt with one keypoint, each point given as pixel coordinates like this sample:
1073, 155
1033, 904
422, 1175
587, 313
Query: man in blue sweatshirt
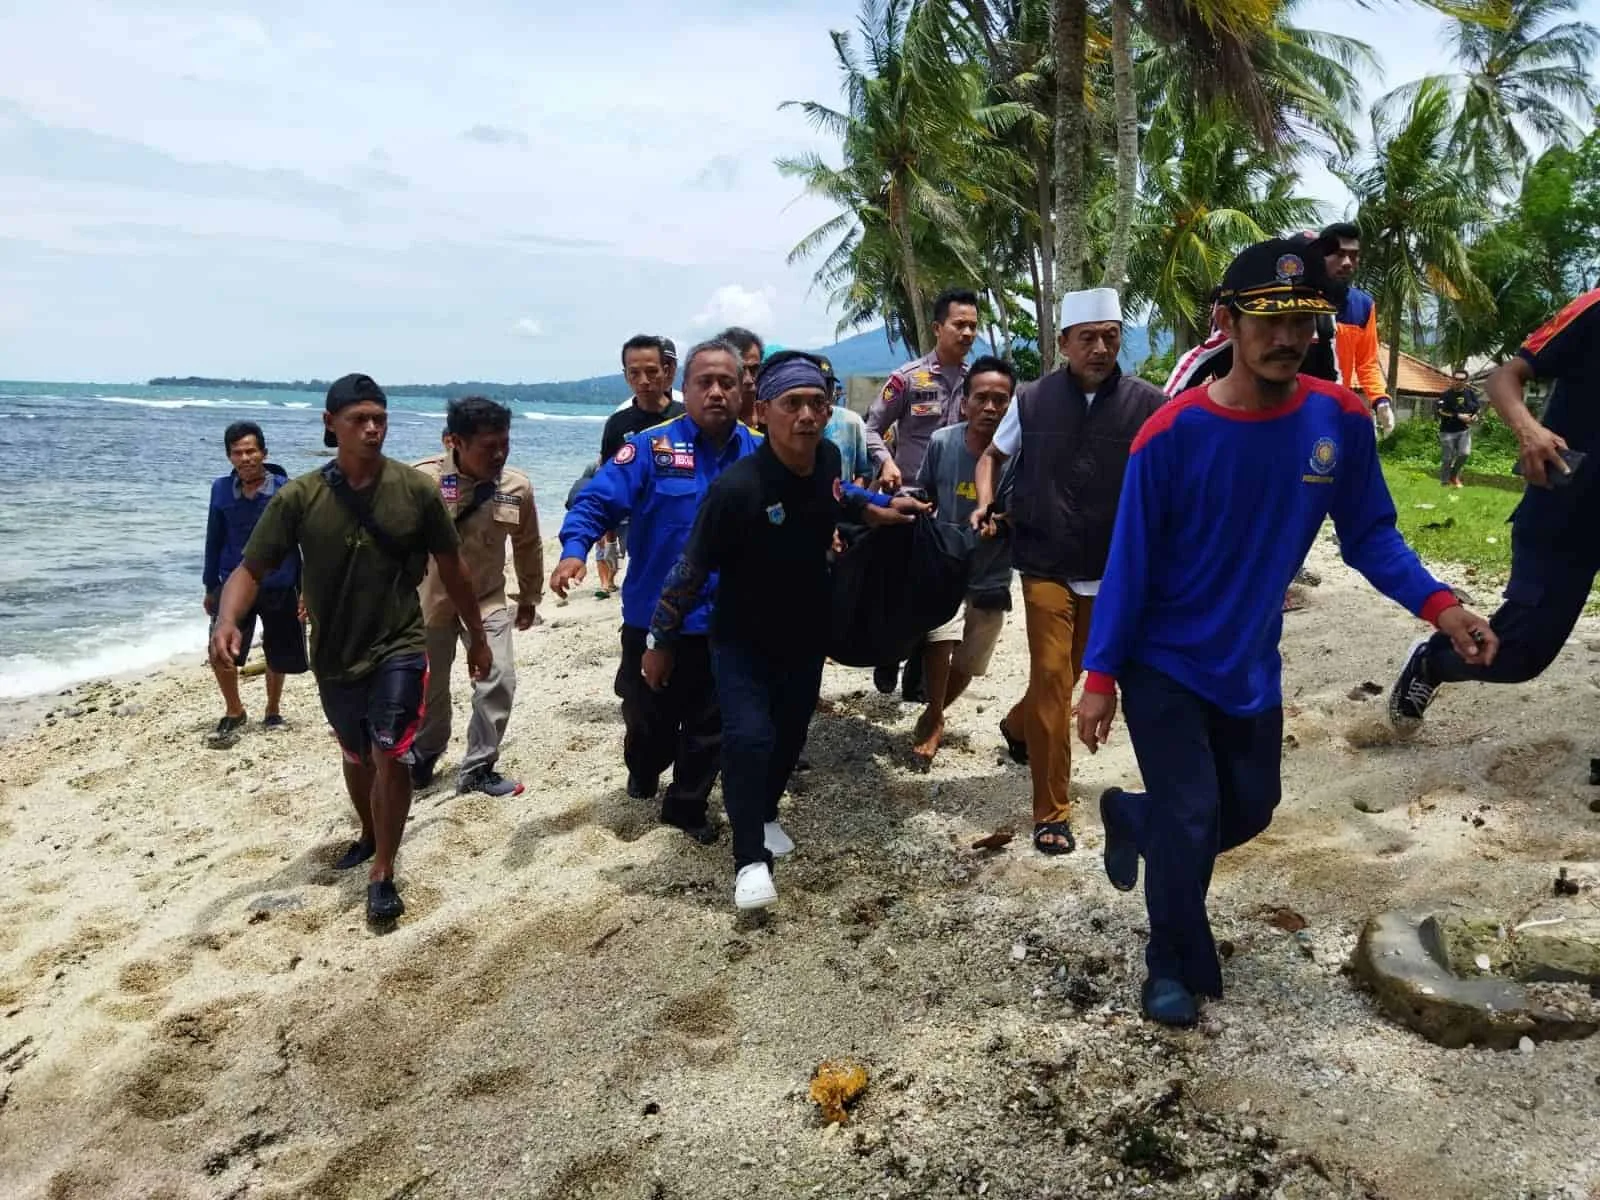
1226, 488
237, 501
656, 481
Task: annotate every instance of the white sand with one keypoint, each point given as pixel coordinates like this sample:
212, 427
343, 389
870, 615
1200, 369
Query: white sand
191, 1004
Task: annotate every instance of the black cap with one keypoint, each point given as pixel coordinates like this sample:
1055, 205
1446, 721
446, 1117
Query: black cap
348, 390
1281, 277
669, 350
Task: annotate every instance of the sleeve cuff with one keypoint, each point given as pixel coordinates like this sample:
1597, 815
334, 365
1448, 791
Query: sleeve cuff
1099, 683
1437, 604
574, 549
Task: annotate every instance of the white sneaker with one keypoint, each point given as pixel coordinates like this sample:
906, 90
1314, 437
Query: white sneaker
754, 887
778, 842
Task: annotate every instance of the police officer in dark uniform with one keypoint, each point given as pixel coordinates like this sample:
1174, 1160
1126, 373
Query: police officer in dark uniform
656, 481
765, 530
1555, 550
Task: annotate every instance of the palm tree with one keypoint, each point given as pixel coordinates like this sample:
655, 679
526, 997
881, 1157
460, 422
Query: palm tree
908, 129
1416, 202
1209, 190
1011, 40
1519, 84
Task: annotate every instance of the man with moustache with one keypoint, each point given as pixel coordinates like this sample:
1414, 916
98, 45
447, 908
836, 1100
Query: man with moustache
958, 651
656, 481
366, 527
1073, 429
492, 507
1225, 489
765, 531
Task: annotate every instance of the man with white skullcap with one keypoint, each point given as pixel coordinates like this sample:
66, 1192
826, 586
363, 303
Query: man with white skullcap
1074, 429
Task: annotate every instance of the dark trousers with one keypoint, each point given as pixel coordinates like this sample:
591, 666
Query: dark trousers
679, 726
1545, 597
767, 704
1213, 781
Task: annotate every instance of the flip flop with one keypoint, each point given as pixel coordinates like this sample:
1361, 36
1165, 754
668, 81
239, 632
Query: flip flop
1056, 829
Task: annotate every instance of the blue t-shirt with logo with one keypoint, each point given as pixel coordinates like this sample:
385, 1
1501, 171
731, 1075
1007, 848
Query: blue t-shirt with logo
1218, 510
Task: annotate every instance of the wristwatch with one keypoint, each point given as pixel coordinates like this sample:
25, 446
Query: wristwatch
650, 642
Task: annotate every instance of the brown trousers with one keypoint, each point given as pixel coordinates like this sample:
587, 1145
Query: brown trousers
1058, 632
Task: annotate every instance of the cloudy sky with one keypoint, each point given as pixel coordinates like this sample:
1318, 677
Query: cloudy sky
425, 192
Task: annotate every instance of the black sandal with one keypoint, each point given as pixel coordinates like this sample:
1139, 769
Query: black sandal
1060, 830
1018, 750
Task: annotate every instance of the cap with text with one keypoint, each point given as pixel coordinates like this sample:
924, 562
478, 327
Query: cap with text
1277, 278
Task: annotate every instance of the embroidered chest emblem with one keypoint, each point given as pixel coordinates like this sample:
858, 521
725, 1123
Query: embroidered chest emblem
775, 514
1324, 456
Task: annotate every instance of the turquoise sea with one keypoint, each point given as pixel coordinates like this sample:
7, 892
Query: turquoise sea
103, 492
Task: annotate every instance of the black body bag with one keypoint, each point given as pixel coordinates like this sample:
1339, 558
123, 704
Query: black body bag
892, 585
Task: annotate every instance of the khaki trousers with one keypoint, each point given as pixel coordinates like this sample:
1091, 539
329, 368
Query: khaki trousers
1058, 632
491, 696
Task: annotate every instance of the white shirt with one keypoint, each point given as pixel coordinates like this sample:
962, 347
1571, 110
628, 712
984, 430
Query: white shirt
1008, 437
1008, 440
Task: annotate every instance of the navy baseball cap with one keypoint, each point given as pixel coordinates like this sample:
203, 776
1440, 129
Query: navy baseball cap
1280, 277
348, 390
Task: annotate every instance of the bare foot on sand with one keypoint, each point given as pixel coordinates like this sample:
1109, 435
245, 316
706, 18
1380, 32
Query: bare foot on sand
929, 731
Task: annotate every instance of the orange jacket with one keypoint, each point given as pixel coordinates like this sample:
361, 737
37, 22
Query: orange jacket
1357, 347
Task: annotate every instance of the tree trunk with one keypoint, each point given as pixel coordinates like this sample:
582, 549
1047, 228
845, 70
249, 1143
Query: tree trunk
1396, 317
1044, 286
998, 297
912, 288
1116, 272
1070, 40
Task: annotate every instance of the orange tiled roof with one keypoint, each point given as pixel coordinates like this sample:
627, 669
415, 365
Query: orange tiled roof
1414, 375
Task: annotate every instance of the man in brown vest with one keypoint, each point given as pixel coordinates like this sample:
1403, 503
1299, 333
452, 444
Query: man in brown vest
1073, 429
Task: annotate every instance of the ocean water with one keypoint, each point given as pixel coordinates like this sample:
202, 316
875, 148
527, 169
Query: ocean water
103, 492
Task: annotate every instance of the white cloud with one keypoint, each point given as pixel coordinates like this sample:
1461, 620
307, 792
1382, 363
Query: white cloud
529, 328
732, 304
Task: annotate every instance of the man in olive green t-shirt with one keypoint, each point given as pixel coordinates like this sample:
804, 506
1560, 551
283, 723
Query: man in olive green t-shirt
365, 527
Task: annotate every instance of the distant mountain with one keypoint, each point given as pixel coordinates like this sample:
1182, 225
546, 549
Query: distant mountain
869, 353
873, 353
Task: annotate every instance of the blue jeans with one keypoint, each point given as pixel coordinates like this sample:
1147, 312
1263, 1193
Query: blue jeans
1213, 782
766, 705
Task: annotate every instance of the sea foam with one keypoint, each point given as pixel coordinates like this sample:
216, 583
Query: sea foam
114, 653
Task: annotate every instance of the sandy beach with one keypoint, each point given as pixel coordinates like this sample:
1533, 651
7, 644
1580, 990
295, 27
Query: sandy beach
191, 1004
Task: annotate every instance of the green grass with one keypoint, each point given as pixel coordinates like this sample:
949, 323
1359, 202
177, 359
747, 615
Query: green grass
1463, 527
1462, 532
1455, 527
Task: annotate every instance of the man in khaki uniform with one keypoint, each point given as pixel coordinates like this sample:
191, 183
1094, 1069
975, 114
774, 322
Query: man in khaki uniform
490, 504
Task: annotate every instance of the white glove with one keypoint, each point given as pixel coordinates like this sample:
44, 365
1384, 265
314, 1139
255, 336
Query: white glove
1383, 413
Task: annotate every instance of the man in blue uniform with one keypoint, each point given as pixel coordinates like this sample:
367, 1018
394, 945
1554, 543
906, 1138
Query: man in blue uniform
655, 482
1226, 488
1555, 551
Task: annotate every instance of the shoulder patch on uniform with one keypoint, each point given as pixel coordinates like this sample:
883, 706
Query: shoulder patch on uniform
625, 455
1542, 336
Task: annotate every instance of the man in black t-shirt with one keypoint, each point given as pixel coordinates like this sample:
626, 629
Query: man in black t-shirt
645, 367
1457, 409
766, 527
1555, 551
